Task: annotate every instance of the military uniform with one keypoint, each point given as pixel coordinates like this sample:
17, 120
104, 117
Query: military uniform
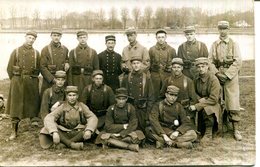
83, 60
2, 108
109, 63
165, 118
98, 99
189, 51
53, 58
160, 64
141, 94
70, 122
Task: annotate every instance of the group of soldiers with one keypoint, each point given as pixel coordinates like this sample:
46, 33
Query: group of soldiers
160, 96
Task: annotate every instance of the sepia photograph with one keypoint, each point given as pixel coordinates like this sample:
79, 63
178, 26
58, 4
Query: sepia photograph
127, 83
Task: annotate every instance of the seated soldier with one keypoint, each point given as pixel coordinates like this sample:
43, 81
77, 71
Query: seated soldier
2, 108
208, 89
69, 124
98, 97
53, 96
121, 124
169, 123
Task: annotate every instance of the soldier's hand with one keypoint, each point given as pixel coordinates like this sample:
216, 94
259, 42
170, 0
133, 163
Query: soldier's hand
87, 135
174, 135
192, 108
125, 126
56, 105
222, 77
56, 138
66, 67
167, 140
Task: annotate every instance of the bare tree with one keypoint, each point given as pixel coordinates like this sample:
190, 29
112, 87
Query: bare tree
124, 16
136, 12
13, 14
148, 11
112, 17
36, 18
160, 18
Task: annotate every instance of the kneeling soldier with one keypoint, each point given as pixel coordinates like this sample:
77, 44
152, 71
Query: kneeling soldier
69, 124
121, 124
169, 124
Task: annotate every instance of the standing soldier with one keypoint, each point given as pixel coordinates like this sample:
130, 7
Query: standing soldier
187, 95
225, 55
121, 124
53, 96
208, 89
161, 56
190, 50
134, 49
23, 70
169, 124
54, 57
110, 63
140, 91
98, 97
70, 124
83, 60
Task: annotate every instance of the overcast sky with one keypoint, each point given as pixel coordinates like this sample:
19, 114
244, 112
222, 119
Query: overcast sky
44, 6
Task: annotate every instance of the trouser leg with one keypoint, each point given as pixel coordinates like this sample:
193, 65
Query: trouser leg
189, 136
120, 144
72, 142
15, 122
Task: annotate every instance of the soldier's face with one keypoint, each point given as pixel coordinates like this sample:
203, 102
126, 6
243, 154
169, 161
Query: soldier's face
131, 37
72, 98
202, 68
190, 36
171, 98
110, 45
161, 38
136, 65
60, 82
121, 101
223, 32
29, 39
98, 80
177, 69
83, 39
1, 103
55, 37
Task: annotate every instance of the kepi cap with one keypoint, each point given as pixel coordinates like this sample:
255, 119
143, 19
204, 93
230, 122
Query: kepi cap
60, 74
223, 24
56, 31
201, 60
71, 89
121, 92
110, 37
171, 89
161, 31
97, 72
130, 30
189, 29
177, 61
33, 33
134, 58
81, 32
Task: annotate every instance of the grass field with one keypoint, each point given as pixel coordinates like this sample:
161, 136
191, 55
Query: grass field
25, 150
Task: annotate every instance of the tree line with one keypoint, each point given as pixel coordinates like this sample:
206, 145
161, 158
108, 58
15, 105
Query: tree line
148, 18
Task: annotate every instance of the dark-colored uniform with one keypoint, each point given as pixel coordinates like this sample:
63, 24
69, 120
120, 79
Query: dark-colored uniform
140, 90
53, 58
160, 64
83, 60
110, 64
187, 95
115, 119
162, 117
189, 51
23, 70
70, 121
50, 97
208, 89
98, 99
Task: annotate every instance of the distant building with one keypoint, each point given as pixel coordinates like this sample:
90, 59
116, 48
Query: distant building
242, 23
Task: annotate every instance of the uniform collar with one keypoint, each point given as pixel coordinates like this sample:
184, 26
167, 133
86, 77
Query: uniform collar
83, 46
159, 46
191, 42
68, 107
56, 45
27, 46
135, 45
95, 87
109, 52
225, 40
204, 77
179, 76
167, 103
57, 89
137, 72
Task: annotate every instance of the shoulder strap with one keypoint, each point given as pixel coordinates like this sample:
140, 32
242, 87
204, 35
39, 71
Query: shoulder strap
144, 82
50, 52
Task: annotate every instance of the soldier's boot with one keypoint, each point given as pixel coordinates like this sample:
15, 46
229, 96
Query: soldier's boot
121, 144
207, 138
77, 145
14, 131
127, 139
187, 145
226, 124
237, 134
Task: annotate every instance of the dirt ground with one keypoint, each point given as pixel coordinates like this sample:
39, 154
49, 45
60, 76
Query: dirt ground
25, 150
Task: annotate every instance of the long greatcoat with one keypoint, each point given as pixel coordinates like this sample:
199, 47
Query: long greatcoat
24, 99
224, 51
